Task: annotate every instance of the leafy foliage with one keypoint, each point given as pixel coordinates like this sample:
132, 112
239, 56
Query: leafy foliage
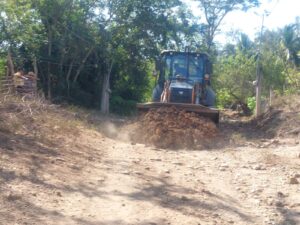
2, 67
234, 77
251, 102
236, 67
78, 44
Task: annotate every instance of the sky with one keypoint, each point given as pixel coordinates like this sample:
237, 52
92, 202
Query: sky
281, 13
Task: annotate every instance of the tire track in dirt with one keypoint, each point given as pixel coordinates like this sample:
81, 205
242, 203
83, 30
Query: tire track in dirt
106, 181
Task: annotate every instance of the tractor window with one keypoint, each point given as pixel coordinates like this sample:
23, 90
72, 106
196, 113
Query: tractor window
175, 65
190, 67
168, 71
179, 66
196, 68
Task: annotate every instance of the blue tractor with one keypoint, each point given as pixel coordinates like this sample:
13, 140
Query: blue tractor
183, 81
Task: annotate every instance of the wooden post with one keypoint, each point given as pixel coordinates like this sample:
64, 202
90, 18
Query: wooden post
258, 91
49, 76
259, 75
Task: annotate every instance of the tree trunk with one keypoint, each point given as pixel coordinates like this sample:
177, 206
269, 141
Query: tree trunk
36, 72
49, 94
10, 71
106, 91
63, 53
35, 67
10, 64
271, 97
82, 65
68, 77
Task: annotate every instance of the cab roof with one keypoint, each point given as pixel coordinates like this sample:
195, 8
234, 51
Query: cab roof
171, 52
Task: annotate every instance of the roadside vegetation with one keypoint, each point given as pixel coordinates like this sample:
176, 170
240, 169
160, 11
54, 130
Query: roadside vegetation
89, 53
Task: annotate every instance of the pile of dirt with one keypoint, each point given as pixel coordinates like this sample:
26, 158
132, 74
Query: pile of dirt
174, 128
282, 119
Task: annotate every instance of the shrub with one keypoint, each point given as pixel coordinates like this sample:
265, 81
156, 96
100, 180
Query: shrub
251, 103
122, 106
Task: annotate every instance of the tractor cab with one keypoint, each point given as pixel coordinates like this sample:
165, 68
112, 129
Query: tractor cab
184, 77
191, 67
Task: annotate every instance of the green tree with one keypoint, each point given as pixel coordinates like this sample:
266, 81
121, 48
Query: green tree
291, 42
19, 30
234, 76
86, 49
215, 11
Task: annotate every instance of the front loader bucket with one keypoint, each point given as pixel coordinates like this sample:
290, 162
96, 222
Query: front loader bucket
201, 110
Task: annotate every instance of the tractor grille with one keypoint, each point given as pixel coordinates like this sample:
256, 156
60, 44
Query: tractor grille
181, 95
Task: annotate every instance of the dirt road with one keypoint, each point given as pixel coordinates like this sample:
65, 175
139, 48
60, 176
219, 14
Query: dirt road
96, 180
